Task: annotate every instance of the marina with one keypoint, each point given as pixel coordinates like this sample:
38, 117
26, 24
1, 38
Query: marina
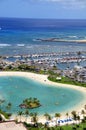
48, 60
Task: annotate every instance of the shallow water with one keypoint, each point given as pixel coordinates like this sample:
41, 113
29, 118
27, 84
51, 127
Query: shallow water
16, 89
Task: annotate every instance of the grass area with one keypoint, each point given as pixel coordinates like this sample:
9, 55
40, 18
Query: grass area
25, 68
81, 126
66, 80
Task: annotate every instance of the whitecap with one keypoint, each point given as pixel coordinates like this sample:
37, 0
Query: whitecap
4, 45
72, 36
21, 45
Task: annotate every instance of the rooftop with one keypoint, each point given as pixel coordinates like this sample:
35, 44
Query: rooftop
11, 126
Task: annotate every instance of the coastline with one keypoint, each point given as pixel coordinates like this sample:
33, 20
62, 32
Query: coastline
61, 40
43, 79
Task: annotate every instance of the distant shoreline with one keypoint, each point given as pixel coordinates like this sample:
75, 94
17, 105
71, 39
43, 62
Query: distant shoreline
60, 40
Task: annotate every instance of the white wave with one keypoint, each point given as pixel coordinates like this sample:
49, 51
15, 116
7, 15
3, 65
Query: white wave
72, 36
20, 44
4, 45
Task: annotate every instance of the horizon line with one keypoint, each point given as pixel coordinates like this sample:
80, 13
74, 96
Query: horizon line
43, 18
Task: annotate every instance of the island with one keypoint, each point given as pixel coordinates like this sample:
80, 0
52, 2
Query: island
30, 103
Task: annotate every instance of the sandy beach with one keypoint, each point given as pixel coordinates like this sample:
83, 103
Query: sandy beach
43, 79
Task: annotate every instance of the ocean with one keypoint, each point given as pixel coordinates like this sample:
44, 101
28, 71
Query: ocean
17, 35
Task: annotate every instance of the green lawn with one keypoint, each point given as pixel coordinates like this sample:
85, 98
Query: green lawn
71, 127
81, 126
66, 80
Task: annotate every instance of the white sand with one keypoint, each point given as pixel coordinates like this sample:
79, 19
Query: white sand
43, 79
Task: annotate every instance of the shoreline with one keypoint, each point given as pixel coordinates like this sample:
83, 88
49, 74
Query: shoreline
61, 40
43, 79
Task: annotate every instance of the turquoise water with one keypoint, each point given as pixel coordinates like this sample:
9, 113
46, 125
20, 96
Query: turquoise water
16, 89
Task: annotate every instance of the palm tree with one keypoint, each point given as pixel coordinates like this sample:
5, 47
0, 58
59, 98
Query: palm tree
20, 113
57, 115
67, 114
78, 118
83, 112
35, 99
34, 117
31, 115
47, 116
26, 113
74, 115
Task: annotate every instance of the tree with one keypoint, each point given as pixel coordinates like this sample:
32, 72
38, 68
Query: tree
57, 115
26, 113
67, 115
74, 115
34, 117
47, 116
78, 118
20, 113
83, 112
30, 103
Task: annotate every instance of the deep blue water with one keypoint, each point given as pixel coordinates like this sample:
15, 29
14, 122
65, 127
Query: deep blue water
17, 35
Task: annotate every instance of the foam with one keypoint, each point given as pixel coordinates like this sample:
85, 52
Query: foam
4, 45
20, 45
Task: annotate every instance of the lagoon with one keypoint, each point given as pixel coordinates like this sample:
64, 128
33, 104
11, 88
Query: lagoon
53, 99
